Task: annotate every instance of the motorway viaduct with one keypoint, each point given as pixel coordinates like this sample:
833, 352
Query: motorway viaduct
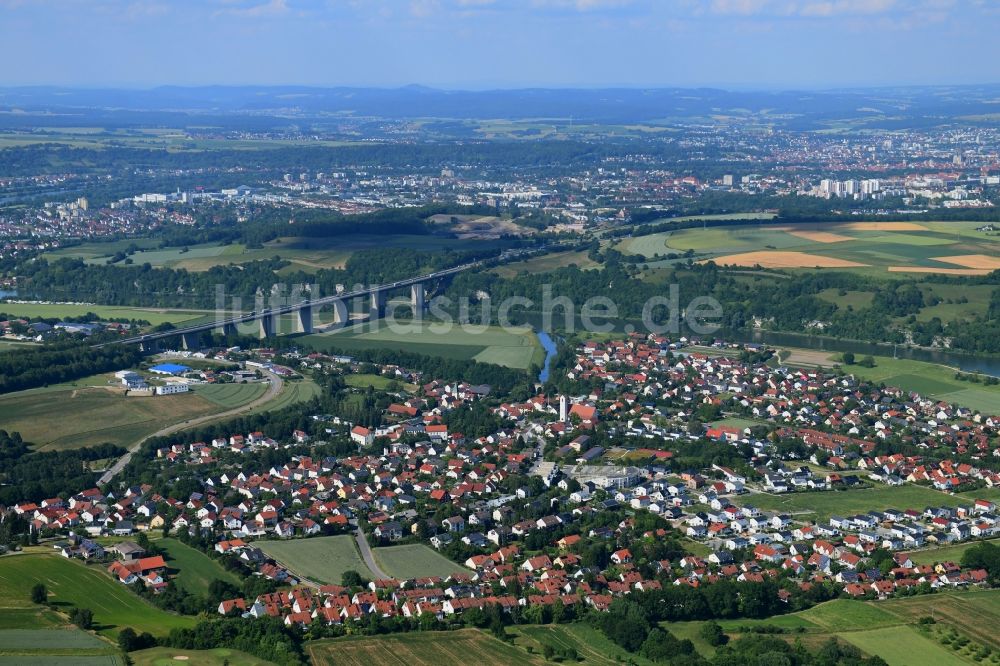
267, 318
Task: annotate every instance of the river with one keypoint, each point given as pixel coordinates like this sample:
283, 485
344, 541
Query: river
988, 365
549, 345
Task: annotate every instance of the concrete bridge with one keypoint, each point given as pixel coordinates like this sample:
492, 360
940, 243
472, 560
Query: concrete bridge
267, 318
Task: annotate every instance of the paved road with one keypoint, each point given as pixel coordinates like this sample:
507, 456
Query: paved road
274, 388
366, 554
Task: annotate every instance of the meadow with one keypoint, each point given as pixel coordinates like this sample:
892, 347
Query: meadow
162, 656
889, 629
931, 380
304, 254
72, 583
452, 648
195, 570
414, 561
92, 412
545, 263
320, 559
514, 348
154, 316
821, 505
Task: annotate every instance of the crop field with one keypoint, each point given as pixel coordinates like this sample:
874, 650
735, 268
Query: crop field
876, 248
154, 316
320, 559
93, 413
196, 571
513, 348
414, 561
823, 504
162, 656
451, 648
71, 583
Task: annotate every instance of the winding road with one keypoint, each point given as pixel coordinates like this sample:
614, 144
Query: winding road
366, 553
274, 388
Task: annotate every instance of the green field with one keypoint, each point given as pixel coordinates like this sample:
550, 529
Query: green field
902, 646
231, 395
914, 245
452, 648
304, 254
154, 316
162, 656
320, 559
545, 263
888, 629
513, 348
66, 645
823, 504
195, 570
91, 412
592, 646
930, 380
71, 583
414, 561
294, 392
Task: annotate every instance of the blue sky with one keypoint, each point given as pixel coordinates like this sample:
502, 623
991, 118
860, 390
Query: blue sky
500, 43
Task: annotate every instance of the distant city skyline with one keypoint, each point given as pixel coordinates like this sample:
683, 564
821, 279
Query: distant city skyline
477, 44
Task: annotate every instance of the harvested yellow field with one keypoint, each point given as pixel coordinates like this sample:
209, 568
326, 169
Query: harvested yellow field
821, 236
883, 226
942, 271
777, 259
980, 261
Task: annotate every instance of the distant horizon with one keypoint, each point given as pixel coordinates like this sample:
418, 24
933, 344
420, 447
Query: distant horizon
502, 44
726, 87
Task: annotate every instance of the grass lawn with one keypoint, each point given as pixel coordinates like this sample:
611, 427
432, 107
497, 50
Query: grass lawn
450, 648
513, 348
942, 554
196, 570
902, 646
161, 656
380, 382
822, 504
71, 583
300, 390
230, 395
414, 561
90, 412
320, 559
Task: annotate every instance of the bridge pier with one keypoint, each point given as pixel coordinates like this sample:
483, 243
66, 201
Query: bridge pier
377, 310
417, 294
191, 341
304, 320
226, 330
150, 347
341, 315
267, 326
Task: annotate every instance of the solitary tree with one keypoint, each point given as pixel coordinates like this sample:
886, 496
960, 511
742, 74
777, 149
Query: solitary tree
39, 593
